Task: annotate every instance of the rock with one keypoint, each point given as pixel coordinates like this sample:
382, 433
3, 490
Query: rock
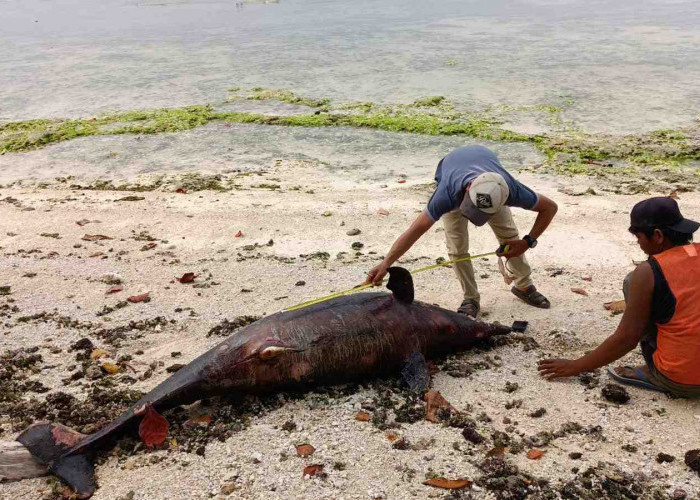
615, 393
664, 458
83, 344
472, 436
679, 494
300, 283
93, 372
174, 368
575, 455
353, 232
5, 290
357, 245
228, 488
111, 279
538, 413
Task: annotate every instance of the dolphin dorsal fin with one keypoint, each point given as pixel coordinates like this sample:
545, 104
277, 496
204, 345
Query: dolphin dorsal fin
401, 284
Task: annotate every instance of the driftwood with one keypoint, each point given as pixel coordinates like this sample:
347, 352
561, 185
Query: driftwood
17, 463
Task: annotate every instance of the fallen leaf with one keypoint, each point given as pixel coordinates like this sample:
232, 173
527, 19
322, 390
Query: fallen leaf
363, 416
95, 237
674, 194
401, 181
500, 451
110, 368
587, 278
305, 450
97, 254
447, 484
438, 408
149, 246
381, 211
580, 291
312, 470
139, 298
201, 421
239, 234
115, 289
98, 353
535, 454
153, 429
181, 191
617, 306
186, 278
392, 436
173, 444
83, 222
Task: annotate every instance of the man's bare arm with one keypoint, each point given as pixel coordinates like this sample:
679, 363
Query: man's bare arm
546, 210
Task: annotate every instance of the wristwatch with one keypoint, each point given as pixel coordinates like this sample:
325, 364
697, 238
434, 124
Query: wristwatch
531, 242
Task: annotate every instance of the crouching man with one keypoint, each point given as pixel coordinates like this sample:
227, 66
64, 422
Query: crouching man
662, 312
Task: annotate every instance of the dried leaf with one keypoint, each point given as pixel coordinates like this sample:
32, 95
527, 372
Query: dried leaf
438, 408
239, 234
587, 278
674, 194
181, 191
98, 254
381, 211
153, 429
98, 353
305, 450
115, 289
392, 436
401, 181
363, 416
110, 368
95, 237
535, 454
186, 278
312, 470
83, 222
149, 246
500, 451
617, 306
139, 298
447, 484
580, 291
201, 421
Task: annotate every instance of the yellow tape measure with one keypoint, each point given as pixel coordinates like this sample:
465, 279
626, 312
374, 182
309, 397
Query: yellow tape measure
415, 271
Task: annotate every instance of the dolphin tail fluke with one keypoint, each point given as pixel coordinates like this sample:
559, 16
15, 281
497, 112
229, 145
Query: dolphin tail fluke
49, 443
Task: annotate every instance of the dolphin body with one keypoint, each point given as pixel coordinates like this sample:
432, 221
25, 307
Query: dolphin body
347, 338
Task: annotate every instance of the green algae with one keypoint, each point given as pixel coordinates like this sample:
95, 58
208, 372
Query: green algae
566, 150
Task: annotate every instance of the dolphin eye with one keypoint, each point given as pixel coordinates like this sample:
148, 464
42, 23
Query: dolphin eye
273, 351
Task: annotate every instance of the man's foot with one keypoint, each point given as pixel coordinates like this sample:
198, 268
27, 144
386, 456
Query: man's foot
469, 307
531, 296
634, 375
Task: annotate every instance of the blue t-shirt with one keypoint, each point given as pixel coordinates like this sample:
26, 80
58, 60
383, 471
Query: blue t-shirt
462, 166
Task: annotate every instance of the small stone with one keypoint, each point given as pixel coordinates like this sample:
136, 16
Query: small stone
538, 413
629, 448
679, 494
256, 457
472, 436
664, 458
615, 393
174, 368
575, 455
353, 232
357, 245
228, 488
300, 283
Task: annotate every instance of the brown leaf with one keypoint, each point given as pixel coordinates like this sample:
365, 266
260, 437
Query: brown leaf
201, 421
438, 408
312, 470
110, 368
401, 181
98, 353
580, 291
363, 416
83, 222
447, 484
186, 278
392, 436
139, 298
97, 254
674, 194
181, 191
587, 278
95, 237
617, 306
535, 454
239, 234
115, 289
153, 429
305, 450
381, 211
496, 452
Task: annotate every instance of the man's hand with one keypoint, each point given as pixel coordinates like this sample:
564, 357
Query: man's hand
376, 275
557, 368
515, 248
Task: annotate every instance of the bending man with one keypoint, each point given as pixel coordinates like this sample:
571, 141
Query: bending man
473, 186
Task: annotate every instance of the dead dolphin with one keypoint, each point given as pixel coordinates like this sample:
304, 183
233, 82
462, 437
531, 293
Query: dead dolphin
348, 338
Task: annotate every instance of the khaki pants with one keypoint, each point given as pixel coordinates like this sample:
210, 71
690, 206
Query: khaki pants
457, 237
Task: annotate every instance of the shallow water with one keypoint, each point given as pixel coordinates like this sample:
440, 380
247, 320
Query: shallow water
628, 65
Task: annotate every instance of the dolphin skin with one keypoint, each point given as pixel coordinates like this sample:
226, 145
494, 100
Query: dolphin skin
347, 338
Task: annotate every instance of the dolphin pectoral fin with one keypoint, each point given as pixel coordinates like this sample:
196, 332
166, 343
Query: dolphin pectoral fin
416, 373
273, 351
401, 284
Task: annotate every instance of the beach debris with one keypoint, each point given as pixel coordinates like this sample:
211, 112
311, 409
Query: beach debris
153, 429
401, 181
95, 237
186, 278
357, 245
327, 213
313, 470
148, 246
538, 413
679, 494
99, 353
51, 235
83, 222
363, 416
174, 368
199, 421
438, 408
616, 307
580, 291
615, 393
587, 278
238, 234
110, 368
97, 254
692, 460
498, 451
674, 194
114, 289
665, 458
300, 283
535, 454
305, 450
383, 212
181, 191
575, 455
471, 435
5, 290
144, 297
447, 484
353, 232
131, 198
111, 279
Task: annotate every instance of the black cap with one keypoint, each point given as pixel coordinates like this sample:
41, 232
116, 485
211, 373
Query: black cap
661, 212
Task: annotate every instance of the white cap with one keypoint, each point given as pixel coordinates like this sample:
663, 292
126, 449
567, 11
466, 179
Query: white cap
486, 195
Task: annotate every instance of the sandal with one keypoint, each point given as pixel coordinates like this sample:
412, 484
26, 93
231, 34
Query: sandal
532, 297
469, 307
641, 381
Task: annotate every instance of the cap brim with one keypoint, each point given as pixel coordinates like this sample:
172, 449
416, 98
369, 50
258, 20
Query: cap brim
686, 226
476, 216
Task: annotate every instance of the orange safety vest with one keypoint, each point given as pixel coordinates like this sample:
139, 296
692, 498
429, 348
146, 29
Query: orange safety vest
678, 341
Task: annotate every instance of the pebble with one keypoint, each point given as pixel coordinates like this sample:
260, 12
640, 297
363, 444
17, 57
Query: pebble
353, 232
